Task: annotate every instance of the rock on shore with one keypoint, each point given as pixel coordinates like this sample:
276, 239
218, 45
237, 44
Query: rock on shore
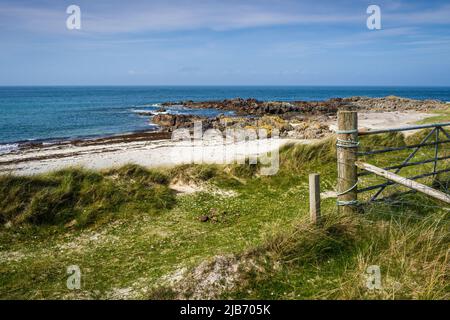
301, 128
297, 119
327, 107
393, 103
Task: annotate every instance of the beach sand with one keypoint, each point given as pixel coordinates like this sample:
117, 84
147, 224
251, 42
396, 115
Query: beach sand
386, 120
146, 151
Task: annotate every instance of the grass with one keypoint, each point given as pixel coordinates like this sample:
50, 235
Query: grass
441, 117
80, 197
331, 262
129, 233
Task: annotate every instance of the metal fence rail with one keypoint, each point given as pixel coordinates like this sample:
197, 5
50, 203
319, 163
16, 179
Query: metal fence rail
366, 173
420, 127
347, 148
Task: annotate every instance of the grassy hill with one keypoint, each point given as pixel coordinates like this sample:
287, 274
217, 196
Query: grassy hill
241, 235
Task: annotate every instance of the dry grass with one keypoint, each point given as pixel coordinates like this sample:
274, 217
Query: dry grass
138, 235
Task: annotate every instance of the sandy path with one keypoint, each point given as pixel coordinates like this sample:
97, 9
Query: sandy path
386, 120
165, 152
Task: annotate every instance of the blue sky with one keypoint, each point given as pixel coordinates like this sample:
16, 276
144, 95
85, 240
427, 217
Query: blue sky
227, 42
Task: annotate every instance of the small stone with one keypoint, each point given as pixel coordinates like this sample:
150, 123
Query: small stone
204, 218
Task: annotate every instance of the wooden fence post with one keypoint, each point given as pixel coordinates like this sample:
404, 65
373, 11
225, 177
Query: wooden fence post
314, 197
347, 147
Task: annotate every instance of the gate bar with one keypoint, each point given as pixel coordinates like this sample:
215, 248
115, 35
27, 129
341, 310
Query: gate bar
405, 182
434, 125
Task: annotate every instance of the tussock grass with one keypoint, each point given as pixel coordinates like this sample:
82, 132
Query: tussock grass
407, 238
80, 196
330, 261
194, 172
377, 141
310, 244
144, 235
300, 156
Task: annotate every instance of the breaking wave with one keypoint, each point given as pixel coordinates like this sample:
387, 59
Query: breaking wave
7, 148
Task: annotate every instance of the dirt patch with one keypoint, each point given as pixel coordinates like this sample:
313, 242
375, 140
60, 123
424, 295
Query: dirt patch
121, 294
184, 188
210, 279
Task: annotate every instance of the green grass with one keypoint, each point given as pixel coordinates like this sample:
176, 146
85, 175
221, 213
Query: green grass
128, 233
441, 117
79, 196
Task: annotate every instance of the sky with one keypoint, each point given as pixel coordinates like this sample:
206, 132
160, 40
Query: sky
225, 42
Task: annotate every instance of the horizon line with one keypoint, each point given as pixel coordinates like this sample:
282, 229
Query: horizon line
227, 85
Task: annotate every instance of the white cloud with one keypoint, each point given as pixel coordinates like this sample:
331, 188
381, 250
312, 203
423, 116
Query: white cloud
217, 17
112, 17
169, 16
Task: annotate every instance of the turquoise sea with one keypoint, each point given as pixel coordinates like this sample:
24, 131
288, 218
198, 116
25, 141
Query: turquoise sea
58, 113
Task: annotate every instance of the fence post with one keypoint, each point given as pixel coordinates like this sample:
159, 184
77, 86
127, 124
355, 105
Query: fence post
314, 197
347, 147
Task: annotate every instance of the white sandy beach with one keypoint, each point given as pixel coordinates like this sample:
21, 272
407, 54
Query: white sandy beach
166, 152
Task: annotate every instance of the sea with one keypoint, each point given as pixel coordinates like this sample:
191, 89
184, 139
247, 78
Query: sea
55, 113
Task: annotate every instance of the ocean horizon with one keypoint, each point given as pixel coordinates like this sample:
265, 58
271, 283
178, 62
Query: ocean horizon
54, 113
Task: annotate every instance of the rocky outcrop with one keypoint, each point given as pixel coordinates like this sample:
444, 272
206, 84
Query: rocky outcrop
300, 128
393, 103
327, 107
309, 130
165, 120
258, 108
175, 121
297, 119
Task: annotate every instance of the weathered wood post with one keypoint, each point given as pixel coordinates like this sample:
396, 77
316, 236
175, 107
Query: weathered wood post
347, 147
314, 197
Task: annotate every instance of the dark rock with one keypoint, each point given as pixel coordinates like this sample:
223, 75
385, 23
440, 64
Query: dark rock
165, 120
327, 107
175, 121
